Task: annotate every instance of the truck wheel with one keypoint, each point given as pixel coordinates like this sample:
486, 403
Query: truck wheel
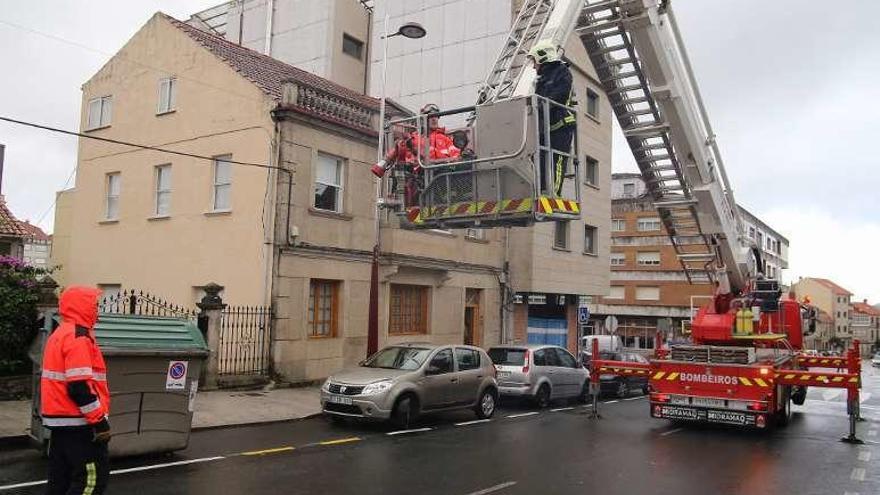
783, 415
799, 395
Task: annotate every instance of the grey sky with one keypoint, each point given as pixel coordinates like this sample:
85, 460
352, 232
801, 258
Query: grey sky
790, 87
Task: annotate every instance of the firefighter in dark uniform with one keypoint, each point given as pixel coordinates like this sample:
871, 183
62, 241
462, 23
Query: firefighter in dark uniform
554, 83
75, 399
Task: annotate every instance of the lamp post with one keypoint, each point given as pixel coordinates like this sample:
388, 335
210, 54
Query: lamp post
411, 30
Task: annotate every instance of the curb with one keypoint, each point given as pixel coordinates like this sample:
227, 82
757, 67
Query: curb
256, 423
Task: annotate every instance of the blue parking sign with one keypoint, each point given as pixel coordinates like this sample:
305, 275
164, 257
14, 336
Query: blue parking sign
583, 315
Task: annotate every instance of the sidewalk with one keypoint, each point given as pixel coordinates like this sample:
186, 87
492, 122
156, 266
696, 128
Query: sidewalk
213, 409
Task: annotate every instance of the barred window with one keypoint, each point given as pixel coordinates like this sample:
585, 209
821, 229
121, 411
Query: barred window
323, 308
409, 309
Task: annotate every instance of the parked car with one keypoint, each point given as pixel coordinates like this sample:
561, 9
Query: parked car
622, 385
400, 382
875, 361
539, 372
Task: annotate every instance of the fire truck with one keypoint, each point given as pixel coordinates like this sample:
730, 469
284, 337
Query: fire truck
745, 364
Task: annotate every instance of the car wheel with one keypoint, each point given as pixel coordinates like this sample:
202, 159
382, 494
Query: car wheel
646, 389
486, 405
542, 398
406, 410
622, 389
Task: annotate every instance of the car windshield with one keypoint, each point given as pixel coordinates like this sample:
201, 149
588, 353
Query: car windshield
398, 358
503, 356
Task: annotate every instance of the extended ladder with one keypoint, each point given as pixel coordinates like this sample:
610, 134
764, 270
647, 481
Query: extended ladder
605, 28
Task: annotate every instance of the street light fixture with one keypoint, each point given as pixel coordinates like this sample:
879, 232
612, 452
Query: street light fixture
411, 30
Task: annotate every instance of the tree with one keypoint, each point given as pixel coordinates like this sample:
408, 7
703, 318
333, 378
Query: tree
19, 293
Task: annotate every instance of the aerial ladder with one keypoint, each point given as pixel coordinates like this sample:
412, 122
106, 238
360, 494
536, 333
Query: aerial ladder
745, 364
497, 180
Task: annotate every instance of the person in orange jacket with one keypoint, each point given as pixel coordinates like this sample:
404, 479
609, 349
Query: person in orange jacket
406, 150
75, 398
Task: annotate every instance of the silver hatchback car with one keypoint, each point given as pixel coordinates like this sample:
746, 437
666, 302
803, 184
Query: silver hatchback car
402, 381
540, 372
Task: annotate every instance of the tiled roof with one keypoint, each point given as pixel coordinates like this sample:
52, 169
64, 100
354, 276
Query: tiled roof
864, 308
266, 72
33, 232
831, 285
9, 225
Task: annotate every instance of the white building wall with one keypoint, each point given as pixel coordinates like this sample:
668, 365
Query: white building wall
446, 66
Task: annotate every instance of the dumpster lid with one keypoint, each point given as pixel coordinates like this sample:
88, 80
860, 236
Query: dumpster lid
148, 333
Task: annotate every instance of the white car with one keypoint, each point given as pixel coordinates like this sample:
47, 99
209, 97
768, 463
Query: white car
875, 361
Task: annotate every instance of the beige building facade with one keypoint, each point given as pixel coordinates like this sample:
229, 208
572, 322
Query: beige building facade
833, 300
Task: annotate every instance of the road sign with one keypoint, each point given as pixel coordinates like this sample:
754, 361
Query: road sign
611, 323
583, 315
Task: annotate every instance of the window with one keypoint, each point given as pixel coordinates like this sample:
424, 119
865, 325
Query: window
560, 235
167, 94
546, 357
479, 234
111, 207
752, 232
648, 293
328, 183
618, 225
163, 191
648, 224
409, 309
591, 170
648, 258
617, 292
769, 243
629, 190
100, 112
590, 239
565, 359
468, 359
592, 103
323, 308
222, 183
352, 46
441, 362
760, 240
618, 259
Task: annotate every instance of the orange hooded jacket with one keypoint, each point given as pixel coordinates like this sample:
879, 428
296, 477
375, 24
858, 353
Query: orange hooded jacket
73, 385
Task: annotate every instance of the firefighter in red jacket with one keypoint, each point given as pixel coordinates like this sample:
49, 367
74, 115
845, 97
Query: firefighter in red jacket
75, 399
405, 152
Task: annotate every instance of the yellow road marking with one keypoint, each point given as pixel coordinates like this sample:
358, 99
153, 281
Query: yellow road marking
268, 451
341, 440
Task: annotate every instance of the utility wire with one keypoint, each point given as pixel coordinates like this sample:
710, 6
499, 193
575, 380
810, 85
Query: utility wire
136, 145
46, 212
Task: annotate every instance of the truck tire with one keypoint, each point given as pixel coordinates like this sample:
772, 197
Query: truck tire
799, 395
783, 415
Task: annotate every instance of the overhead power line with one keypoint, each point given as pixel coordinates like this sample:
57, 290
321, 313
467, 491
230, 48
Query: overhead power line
136, 145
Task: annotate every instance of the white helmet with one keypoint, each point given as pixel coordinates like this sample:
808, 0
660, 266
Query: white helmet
544, 51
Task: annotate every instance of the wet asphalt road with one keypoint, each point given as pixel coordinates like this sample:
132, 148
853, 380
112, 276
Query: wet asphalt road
554, 451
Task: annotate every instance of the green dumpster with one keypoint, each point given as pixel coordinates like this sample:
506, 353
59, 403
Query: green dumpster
153, 368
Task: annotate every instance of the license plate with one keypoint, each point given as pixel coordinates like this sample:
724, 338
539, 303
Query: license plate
730, 417
339, 400
680, 400
672, 412
503, 374
704, 402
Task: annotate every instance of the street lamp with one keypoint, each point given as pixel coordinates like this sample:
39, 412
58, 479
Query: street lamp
411, 30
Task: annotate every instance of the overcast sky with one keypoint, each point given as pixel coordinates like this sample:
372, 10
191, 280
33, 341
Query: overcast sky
790, 85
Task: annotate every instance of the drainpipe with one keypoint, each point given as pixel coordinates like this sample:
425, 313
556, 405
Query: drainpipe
270, 11
368, 56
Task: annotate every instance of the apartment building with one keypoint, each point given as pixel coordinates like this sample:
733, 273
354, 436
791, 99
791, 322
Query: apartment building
866, 326
832, 299
649, 289
37, 246
553, 267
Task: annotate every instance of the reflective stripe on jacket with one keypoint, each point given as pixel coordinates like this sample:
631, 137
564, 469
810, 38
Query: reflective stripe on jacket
72, 355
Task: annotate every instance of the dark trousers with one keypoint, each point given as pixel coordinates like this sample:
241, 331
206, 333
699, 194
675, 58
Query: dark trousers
560, 140
77, 464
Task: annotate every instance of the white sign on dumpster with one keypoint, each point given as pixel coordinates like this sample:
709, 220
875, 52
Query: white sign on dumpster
176, 378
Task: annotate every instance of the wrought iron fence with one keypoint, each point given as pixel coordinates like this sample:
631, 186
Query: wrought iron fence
244, 340
132, 302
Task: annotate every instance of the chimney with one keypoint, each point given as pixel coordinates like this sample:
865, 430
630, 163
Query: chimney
2, 153
865, 301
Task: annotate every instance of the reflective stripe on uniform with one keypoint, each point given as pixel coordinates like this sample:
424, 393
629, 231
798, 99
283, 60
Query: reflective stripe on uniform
77, 372
559, 170
54, 375
99, 377
91, 479
91, 406
64, 422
